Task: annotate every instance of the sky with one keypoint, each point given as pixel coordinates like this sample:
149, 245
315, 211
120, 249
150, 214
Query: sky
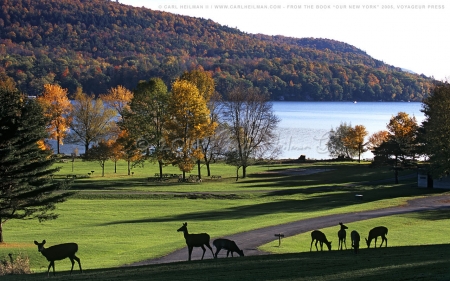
411, 34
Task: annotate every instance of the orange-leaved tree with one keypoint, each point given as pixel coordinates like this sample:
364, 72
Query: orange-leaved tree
354, 139
377, 138
189, 122
56, 107
129, 149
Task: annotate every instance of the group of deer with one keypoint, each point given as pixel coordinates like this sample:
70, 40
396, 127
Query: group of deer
68, 250
202, 239
374, 233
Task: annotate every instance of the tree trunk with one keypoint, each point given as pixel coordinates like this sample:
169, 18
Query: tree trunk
57, 144
208, 170
129, 170
103, 169
115, 167
1, 231
160, 163
86, 150
244, 171
396, 175
199, 170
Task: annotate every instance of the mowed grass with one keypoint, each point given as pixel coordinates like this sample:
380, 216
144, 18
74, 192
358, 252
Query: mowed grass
419, 229
120, 219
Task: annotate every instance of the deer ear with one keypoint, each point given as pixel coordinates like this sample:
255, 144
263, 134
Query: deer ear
43, 242
185, 224
36, 242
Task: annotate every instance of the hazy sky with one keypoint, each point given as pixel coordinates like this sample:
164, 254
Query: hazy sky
411, 34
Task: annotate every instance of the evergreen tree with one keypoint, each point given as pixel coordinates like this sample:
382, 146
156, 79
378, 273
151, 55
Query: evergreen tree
436, 130
26, 185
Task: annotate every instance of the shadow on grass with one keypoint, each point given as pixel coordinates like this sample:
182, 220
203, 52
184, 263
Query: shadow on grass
324, 201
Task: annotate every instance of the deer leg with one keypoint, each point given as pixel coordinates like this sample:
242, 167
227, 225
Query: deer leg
207, 245
376, 242
52, 264
217, 252
384, 240
190, 252
345, 243
204, 250
321, 245
73, 262
79, 263
228, 252
311, 245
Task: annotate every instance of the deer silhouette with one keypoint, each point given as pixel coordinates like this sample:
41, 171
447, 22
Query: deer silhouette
354, 235
342, 235
228, 245
374, 233
319, 236
59, 252
195, 240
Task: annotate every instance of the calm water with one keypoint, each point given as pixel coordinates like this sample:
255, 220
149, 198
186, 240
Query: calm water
304, 126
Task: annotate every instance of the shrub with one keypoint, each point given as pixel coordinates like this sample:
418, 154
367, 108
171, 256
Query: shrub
19, 265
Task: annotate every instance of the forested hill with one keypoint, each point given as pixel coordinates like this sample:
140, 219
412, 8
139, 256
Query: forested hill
99, 44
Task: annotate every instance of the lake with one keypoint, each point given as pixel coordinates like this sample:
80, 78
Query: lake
304, 126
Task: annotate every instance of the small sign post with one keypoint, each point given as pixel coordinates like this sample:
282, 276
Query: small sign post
279, 235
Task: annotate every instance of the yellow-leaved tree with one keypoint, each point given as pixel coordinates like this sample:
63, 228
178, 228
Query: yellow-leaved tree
189, 121
118, 98
354, 139
205, 85
56, 107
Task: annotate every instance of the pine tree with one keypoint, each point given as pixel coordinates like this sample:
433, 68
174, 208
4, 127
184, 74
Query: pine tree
26, 185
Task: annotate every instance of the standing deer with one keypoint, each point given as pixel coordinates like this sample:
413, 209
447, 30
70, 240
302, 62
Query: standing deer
228, 245
319, 236
342, 235
374, 233
195, 240
354, 235
59, 252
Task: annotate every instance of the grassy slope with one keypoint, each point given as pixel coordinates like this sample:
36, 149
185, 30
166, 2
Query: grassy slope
118, 219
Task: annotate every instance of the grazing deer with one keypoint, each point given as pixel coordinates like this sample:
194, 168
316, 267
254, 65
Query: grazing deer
374, 233
195, 240
319, 236
228, 245
59, 252
354, 235
342, 234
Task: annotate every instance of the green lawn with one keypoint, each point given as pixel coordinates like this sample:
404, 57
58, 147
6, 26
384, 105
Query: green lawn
120, 219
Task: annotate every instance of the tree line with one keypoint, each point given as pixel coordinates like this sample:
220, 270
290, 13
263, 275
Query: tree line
99, 44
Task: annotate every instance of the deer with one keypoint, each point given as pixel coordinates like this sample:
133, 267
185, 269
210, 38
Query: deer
195, 240
319, 236
228, 245
342, 235
59, 252
354, 235
374, 233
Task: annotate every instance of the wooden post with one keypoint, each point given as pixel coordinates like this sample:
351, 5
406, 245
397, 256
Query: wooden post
279, 235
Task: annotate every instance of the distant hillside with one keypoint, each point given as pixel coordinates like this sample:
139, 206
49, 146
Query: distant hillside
99, 44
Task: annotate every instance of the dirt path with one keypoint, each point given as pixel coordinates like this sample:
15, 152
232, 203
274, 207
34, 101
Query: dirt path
250, 240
